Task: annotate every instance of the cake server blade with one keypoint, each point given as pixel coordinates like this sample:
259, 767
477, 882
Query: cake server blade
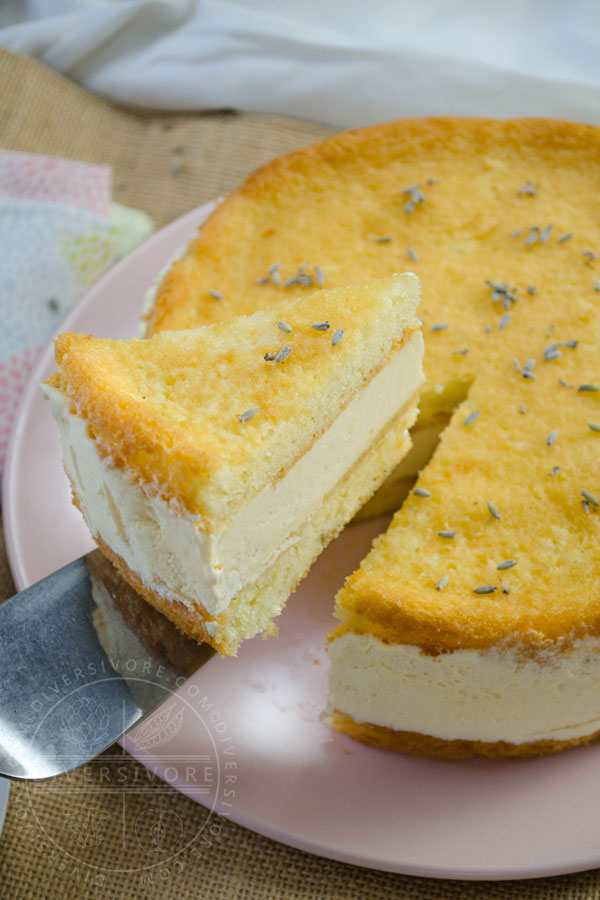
83, 659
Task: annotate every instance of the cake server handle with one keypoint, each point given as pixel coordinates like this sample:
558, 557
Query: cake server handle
83, 659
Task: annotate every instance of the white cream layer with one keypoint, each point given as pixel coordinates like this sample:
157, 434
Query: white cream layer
170, 552
468, 694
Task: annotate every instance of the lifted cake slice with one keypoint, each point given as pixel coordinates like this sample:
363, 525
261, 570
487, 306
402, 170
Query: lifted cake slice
213, 465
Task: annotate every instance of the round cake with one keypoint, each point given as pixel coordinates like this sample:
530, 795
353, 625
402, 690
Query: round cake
473, 626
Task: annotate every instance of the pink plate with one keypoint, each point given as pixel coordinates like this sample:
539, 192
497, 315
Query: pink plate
297, 781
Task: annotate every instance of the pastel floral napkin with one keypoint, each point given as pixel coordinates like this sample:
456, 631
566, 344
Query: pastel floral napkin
59, 231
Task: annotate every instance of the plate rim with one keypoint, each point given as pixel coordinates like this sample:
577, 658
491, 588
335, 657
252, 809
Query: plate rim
288, 839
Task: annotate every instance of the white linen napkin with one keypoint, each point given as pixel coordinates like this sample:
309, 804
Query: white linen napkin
340, 61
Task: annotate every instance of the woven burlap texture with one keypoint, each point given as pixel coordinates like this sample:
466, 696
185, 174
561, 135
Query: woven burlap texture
168, 164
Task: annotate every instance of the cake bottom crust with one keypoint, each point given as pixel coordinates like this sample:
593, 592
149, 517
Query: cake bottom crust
190, 623
438, 748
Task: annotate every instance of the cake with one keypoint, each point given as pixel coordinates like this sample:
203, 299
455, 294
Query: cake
213, 465
473, 627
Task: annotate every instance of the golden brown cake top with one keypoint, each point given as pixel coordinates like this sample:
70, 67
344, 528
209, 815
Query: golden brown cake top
208, 417
499, 540
501, 221
345, 205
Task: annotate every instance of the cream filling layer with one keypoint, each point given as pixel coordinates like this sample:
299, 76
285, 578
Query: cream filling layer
467, 694
171, 553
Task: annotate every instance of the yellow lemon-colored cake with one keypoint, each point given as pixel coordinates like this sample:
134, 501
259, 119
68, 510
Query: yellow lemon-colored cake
213, 465
474, 624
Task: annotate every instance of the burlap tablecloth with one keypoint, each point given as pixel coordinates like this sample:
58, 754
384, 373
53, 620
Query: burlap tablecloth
168, 164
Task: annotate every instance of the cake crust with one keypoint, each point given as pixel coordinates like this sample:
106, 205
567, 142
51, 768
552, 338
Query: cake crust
449, 750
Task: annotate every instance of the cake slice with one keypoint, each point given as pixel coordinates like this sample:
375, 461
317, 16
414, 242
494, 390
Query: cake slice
213, 465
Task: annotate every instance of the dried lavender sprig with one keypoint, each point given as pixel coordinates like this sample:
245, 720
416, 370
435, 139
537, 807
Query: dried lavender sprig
246, 416
528, 190
493, 510
282, 355
589, 497
416, 196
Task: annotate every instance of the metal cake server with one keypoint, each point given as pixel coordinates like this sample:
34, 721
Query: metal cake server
83, 659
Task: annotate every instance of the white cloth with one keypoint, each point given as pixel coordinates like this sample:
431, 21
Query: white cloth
339, 61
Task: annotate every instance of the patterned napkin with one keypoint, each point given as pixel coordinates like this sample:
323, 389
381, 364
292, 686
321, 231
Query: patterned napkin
59, 231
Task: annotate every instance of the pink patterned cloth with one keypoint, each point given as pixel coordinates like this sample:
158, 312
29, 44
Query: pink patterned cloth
47, 179
13, 374
59, 232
